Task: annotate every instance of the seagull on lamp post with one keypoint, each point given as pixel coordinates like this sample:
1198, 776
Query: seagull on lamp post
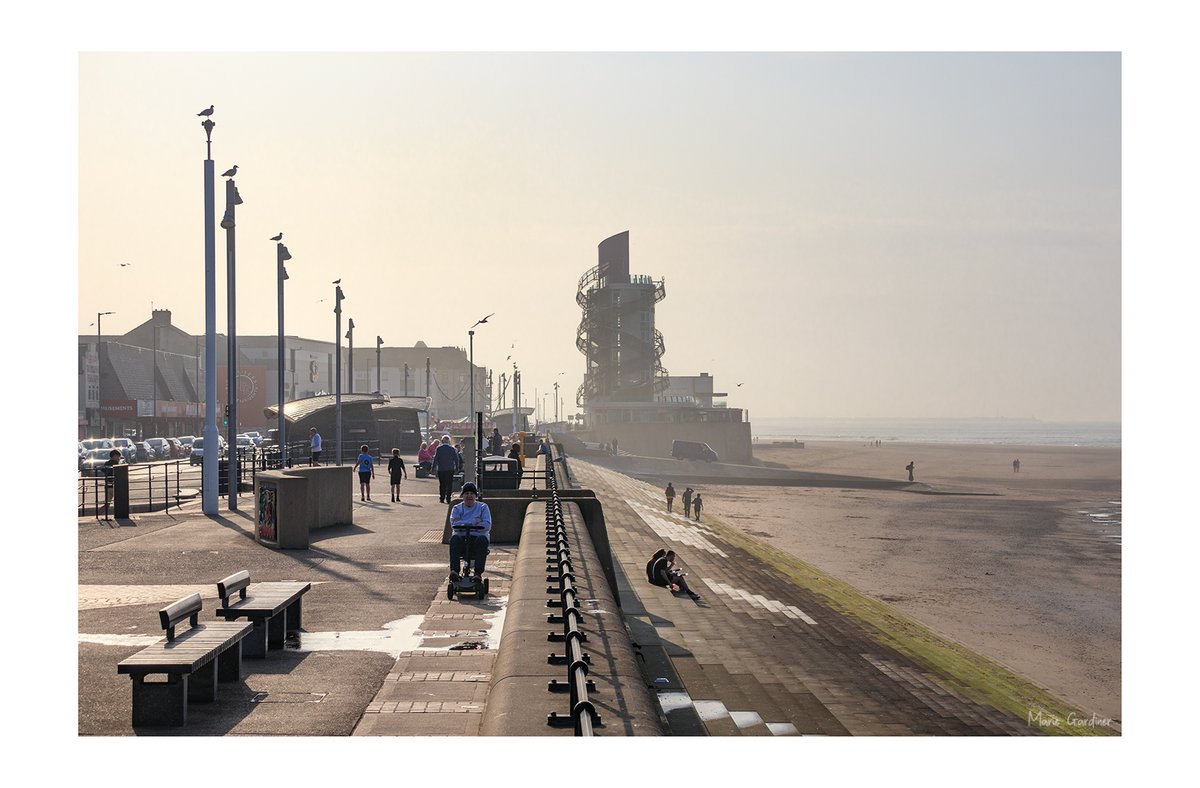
278, 237
205, 113
230, 172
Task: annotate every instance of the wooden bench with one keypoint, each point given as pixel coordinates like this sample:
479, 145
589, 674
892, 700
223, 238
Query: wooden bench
193, 661
273, 608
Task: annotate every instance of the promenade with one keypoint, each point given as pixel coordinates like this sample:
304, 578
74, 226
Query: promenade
383, 652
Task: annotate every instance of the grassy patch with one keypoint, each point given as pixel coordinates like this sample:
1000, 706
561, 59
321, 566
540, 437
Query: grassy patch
966, 672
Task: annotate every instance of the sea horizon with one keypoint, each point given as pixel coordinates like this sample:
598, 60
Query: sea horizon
984, 430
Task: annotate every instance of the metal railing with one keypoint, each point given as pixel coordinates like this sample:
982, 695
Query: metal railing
152, 487
582, 715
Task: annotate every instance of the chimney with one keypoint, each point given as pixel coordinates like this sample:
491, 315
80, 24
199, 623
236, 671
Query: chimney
160, 317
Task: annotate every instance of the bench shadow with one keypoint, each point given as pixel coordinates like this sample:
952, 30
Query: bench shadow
235, 700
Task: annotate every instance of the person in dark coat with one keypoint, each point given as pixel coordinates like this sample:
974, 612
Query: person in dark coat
665, 573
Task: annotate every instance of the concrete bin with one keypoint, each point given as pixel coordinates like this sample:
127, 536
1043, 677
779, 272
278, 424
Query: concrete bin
292, 503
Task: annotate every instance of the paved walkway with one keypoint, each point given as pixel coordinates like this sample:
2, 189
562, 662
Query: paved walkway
758, 655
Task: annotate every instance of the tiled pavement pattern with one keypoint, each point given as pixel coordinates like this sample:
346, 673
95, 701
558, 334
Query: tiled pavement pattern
758, 655
445, 684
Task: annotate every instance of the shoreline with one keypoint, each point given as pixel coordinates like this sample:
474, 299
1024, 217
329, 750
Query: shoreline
1029, 575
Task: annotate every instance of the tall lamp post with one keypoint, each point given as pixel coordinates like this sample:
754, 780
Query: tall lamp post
378, 368
337, 408
99, 377
350, 356
471, 373
281, 254
232, 199
209, 433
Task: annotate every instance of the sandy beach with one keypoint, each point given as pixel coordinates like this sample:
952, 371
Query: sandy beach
1028, 573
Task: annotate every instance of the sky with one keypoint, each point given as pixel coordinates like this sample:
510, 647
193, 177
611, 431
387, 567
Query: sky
846, 235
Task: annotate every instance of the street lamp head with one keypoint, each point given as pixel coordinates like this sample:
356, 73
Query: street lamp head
379, 341
208, 127
282, 252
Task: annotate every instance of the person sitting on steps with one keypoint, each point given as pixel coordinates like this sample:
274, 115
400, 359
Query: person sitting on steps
666, 574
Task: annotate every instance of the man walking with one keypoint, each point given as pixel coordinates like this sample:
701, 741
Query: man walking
445, 462
911, 465
687, 502
314, 444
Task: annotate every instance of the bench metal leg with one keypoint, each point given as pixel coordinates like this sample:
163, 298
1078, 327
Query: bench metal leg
255, 644
229, 663
203, 685
277, 631
159, 705
293, 615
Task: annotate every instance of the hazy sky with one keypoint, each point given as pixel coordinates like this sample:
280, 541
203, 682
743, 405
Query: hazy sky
847, 235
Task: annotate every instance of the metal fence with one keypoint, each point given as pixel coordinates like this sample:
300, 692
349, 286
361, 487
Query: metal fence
152, 487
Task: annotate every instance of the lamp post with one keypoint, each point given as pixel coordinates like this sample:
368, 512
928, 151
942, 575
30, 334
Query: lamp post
99, 377
378, 368
337, 310
471, 372
209, 468
232, 199
281, 254
350, 356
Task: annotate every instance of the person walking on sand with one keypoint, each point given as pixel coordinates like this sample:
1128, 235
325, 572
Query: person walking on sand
396, 471
687, 502
911, 465
670, 493
1016, 466
697, 505
365, 466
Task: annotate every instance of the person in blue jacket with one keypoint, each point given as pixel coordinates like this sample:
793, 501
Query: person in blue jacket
365, 465
469, 512
445, 463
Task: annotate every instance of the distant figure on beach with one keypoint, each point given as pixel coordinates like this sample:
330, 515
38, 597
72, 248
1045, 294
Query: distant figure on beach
911, 465
1016, 466
614, 445
697, 505
687, 502
670, 493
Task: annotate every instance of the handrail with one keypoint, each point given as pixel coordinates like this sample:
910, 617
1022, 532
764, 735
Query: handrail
582, 715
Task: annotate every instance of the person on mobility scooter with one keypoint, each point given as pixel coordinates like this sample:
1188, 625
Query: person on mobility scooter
470, 532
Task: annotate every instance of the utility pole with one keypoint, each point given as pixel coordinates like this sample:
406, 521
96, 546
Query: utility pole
211, 440
232, 198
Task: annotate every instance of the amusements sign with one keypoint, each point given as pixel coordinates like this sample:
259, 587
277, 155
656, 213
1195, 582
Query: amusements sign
267, 498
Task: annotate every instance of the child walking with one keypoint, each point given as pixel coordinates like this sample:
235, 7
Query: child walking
366, 472
396, 471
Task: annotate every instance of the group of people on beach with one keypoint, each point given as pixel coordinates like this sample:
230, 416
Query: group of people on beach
691, 501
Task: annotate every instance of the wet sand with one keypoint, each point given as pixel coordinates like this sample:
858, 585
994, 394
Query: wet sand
1029, 575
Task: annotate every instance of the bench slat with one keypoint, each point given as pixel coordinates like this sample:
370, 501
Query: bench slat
189, 651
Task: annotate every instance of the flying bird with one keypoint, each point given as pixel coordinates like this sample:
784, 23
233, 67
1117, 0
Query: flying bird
337, 281
739, 385
230, 172
125, 264
278, 237
206, 112
484, 320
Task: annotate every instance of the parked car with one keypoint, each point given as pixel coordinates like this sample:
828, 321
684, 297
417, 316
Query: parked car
692, 450
126, 447
186, 440
245, 446
198, 450
162, 449
90, 444
178, 451
93, 463
256, 437
144, 452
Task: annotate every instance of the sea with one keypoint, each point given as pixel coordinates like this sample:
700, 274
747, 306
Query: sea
998, 431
